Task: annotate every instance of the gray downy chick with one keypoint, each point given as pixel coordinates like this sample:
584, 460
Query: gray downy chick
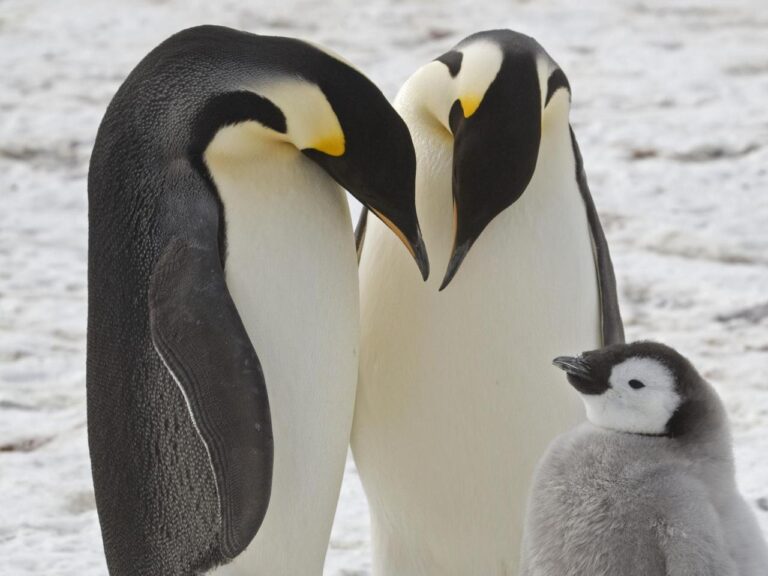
646, 487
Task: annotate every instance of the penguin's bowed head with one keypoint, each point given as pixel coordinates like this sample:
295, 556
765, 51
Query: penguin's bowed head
642, 388
494, 93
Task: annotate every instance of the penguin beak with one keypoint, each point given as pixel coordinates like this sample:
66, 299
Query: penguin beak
495, 150
580, 374
573, 365
412, 240
378, 167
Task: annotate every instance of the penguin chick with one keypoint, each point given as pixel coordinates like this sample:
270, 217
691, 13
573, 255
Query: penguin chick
646, 487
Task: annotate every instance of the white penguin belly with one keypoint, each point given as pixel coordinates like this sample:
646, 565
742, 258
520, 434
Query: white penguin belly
292, 272
457, 398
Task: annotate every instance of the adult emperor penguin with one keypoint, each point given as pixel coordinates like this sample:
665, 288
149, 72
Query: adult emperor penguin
647, 486
457, 399
218, 229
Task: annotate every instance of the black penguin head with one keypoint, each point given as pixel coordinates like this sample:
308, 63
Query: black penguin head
504, 93
642, 388
378, 162
336, 117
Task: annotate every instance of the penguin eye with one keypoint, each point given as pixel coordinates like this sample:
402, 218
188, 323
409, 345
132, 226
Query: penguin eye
636, 384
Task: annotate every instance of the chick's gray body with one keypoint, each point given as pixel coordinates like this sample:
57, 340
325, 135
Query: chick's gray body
622, 504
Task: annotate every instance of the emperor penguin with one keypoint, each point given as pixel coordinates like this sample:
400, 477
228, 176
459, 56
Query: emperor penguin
223, 322
456, 400
646, 487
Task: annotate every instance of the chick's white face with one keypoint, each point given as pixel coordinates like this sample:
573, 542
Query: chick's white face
641, 398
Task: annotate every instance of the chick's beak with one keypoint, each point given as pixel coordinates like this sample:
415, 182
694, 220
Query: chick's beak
581, 374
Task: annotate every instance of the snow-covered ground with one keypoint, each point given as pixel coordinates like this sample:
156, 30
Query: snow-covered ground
670, 110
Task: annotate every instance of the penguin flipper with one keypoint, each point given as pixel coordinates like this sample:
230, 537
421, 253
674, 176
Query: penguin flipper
201, 339
362, 226
612, 326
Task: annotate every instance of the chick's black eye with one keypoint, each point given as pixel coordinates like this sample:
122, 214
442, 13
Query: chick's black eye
636, 384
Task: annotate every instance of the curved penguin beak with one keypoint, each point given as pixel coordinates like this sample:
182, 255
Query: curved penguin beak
496, 146
410, 235
378, 162
581, 374
573, 365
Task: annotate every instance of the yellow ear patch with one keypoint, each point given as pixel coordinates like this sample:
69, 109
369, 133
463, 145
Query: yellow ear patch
332, 145
310, 119
480, 64
470, 104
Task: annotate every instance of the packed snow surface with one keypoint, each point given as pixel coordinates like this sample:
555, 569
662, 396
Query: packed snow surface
669, 105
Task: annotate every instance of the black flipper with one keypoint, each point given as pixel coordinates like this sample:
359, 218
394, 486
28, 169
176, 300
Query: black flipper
203, 343
362, 226
612, 325
178, 416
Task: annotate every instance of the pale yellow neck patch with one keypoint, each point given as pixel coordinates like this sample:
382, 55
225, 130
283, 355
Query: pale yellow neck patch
242, 142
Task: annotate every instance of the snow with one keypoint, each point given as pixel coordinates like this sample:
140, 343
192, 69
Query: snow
669, 109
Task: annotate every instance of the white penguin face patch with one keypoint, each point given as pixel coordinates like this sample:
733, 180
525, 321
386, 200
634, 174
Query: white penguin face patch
432, 90
641, 398
481, 62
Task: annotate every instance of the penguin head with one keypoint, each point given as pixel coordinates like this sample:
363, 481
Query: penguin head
378, 161
496, 93
642, 388
325, 109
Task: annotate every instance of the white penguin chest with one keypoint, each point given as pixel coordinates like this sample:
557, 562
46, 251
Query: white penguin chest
292, 271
